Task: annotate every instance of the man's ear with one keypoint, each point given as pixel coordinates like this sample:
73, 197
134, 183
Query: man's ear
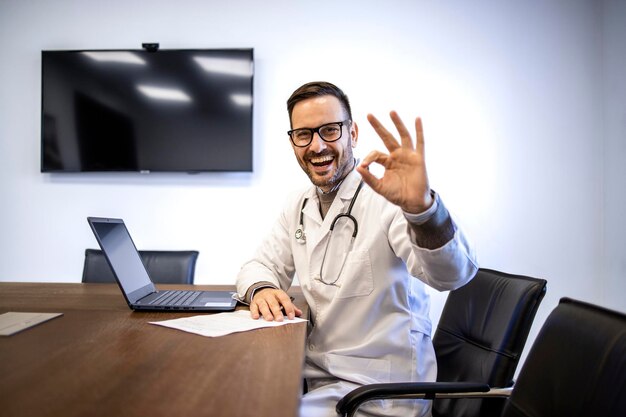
354, 134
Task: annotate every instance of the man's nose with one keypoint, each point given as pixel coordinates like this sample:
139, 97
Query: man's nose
317, 143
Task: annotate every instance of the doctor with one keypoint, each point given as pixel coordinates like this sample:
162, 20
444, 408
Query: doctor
363, 249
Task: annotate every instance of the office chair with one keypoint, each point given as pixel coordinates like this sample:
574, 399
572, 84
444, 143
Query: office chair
164, 267
478, 343
576, 367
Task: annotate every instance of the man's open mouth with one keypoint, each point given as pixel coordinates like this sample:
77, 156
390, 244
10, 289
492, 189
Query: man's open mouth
322, 161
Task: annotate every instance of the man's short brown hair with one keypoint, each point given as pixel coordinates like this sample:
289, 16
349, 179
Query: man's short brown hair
318, 89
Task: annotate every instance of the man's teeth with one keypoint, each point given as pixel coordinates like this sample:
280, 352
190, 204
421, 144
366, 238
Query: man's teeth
321, 159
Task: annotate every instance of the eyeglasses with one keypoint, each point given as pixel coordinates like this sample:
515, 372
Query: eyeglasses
330, 132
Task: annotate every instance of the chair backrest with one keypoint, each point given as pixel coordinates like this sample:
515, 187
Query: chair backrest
164, 267
576, 366
481, 334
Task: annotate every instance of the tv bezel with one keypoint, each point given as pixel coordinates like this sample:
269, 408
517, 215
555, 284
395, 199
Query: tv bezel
145, 50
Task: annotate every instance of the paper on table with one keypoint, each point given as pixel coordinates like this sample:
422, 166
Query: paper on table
213, 325
12, 322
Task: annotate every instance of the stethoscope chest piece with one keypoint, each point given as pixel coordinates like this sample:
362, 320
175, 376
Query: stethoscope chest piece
300, 236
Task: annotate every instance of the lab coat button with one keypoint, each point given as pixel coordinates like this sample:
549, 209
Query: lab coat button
311, 346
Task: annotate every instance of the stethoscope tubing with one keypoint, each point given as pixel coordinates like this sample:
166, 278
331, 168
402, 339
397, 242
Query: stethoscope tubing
301, 236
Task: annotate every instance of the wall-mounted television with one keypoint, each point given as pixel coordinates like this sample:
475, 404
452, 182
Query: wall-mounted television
183, 110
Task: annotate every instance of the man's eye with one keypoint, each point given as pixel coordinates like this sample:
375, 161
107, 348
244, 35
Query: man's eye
330, 130
302, 134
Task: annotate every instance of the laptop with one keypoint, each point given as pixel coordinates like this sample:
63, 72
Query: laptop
134, 281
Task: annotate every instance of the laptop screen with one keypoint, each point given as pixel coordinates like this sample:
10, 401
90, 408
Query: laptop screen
120, 250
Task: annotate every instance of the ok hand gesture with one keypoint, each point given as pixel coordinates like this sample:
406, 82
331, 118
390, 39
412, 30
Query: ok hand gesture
405, 182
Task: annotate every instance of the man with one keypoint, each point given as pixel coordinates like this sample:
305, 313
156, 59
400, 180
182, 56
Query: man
364, 280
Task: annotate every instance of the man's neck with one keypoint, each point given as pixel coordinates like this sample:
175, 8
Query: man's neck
326, 200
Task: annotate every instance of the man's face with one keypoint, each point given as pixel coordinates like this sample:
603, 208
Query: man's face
326, 163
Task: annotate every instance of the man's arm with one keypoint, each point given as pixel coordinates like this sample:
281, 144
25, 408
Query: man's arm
432, 228
261, 280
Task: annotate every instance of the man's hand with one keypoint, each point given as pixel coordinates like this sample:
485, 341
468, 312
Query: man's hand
270, 303
405, 182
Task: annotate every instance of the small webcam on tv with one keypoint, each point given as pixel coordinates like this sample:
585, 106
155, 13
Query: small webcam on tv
150, 47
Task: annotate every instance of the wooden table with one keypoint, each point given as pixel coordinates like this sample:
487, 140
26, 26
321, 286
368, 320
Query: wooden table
102, 359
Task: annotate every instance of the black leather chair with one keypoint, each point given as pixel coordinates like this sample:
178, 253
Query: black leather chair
164, 267
576, 366
478, 343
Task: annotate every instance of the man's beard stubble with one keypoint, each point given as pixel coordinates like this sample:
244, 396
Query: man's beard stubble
343, 168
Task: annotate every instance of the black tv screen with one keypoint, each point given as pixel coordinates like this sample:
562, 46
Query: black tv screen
135, 110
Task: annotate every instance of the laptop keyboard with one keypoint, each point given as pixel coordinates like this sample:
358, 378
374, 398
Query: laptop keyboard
175, 298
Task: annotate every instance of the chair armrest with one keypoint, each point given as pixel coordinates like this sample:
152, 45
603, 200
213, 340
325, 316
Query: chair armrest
350, 403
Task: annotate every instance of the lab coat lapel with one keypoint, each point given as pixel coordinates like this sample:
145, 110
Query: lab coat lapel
348, 188
312, 219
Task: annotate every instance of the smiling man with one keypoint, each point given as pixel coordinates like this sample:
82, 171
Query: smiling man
363, 249
329, 160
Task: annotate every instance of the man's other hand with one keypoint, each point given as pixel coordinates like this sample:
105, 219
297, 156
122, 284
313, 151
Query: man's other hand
273, 304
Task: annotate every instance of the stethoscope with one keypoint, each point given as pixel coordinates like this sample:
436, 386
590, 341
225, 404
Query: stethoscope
301, 236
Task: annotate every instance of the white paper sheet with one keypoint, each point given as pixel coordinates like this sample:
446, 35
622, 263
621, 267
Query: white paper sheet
213, 325
12, 322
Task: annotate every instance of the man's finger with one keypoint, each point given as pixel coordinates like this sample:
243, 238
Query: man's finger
370, 179
375, 157
254, 310
267, 313
264, 310
405, 136
288, 307
419, 136
390, 142
277, 311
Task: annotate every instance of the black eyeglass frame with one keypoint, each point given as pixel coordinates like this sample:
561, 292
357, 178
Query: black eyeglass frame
315, 130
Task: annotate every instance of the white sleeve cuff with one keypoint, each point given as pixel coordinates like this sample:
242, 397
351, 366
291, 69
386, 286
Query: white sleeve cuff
423, 217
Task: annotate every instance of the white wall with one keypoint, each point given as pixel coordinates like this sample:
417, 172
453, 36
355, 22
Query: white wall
613, 286
523, 106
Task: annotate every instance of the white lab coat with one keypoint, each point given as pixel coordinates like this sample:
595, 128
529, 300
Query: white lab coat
373, 325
